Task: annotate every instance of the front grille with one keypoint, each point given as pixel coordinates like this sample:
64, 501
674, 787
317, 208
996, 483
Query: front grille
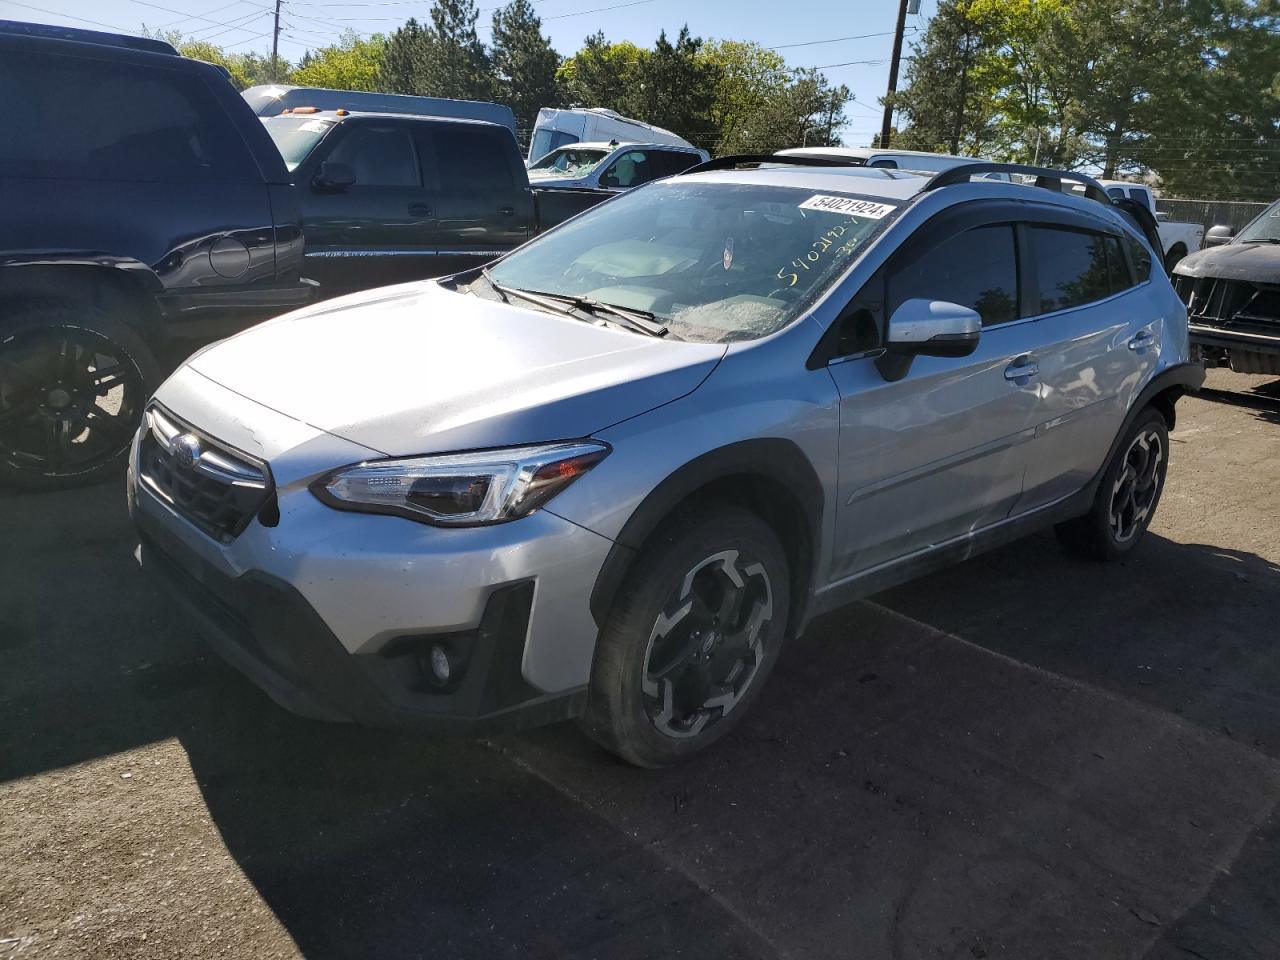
216, 487
1235, 304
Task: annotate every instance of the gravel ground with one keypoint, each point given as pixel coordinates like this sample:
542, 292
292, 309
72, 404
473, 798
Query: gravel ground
1022, 756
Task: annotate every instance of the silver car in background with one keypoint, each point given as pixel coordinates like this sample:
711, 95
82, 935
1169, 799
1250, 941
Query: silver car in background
607, 476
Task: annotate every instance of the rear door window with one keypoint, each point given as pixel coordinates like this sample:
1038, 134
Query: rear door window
976, 268
1071, 266
1141, 260
88, 119
668, 163
469, 159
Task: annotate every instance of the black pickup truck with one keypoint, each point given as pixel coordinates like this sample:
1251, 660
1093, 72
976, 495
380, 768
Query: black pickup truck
388, 198
139, 193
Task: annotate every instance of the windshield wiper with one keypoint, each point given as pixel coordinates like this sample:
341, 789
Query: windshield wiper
506, 293
641, 321
1260, 240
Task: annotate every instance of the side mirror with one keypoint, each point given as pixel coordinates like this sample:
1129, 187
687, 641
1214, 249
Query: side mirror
334, 176
1219, 235
930, 328
609, 180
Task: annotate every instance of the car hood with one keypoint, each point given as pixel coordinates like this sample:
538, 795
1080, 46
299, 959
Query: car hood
1259, 262
419, 369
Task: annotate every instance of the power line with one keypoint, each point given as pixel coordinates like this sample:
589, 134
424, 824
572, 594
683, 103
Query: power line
174, 23
69, 16
814, 43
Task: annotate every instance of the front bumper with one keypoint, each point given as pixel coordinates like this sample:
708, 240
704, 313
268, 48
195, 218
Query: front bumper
266, 629
334, 613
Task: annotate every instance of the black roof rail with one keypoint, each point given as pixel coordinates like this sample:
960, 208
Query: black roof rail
734, 160
79, 35
1045, 177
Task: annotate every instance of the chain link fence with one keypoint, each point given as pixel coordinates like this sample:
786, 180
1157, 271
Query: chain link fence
1210, 213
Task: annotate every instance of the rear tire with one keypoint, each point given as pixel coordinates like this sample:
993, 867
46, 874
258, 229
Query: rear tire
73, 383
1174, 257
691, 638
1128, 495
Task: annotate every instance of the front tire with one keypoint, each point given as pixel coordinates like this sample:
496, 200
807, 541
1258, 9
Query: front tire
691, 638
73, 382
1128, 495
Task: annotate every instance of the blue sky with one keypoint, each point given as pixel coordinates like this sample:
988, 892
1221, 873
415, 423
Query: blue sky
246, 25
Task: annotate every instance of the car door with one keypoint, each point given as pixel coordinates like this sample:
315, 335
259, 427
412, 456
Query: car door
941, 452
381, 228
479, 191
1099, 331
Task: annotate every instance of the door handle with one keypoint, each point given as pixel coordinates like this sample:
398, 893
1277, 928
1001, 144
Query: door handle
1022, 369
1143, 339
507, 211
420, 209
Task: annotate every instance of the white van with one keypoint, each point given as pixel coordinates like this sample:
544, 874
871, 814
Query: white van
557, 128
893, 159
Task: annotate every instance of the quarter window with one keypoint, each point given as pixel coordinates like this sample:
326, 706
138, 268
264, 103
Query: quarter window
1071, 266
977, 268
1141, 260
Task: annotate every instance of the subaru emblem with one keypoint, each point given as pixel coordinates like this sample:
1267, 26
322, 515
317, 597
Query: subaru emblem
186, 451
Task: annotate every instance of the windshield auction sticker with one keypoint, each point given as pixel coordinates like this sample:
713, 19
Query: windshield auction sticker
847, 205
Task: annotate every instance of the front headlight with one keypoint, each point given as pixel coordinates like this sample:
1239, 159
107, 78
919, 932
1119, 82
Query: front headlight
462, 489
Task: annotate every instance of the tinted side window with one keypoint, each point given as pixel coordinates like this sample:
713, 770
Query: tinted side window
471, 160
1071, 266
977, 268
380, 156
889, 164
629, 170
89, 119
1141, 260
667, 163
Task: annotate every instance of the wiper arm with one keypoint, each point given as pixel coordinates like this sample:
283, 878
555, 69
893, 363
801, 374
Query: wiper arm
546, 302
642, 321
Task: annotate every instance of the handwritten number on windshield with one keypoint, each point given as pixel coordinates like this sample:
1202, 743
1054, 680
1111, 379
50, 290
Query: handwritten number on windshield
791, 273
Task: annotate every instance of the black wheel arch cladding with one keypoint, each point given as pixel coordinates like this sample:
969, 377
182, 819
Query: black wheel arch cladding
769, 476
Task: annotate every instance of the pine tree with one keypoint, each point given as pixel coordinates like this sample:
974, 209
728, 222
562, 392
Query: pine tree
524, 62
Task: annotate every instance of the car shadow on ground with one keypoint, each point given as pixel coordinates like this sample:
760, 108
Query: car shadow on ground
895, 787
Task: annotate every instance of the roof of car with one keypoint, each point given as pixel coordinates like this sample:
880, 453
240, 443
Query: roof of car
627, 144
864, 152
873, 181
340, 114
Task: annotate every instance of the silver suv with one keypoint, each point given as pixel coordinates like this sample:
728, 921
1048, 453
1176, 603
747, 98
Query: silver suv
609, 475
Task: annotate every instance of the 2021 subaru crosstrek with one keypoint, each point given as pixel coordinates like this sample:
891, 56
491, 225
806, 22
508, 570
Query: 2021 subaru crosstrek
609, 475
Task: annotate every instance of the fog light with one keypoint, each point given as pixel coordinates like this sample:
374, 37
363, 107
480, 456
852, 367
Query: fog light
441, 669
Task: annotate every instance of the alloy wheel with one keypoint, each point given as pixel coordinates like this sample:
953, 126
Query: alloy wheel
69, 400
706, 646
1136, 488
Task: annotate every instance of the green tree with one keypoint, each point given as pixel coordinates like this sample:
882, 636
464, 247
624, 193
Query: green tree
944, 105
602, 74
677, 88
749, 80
443, 59
350, 64
245, 69
405, 48
524, 62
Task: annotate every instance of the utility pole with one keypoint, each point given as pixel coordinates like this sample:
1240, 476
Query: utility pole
275, 44
887, 127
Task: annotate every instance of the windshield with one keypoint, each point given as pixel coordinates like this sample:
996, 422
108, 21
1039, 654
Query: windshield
714, 262
1266, 227
295, 137
567, 162
545, 140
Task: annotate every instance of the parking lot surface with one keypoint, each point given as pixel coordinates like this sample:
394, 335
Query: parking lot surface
1022, 756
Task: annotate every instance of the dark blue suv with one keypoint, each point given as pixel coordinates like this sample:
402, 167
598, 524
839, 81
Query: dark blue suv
141, 196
